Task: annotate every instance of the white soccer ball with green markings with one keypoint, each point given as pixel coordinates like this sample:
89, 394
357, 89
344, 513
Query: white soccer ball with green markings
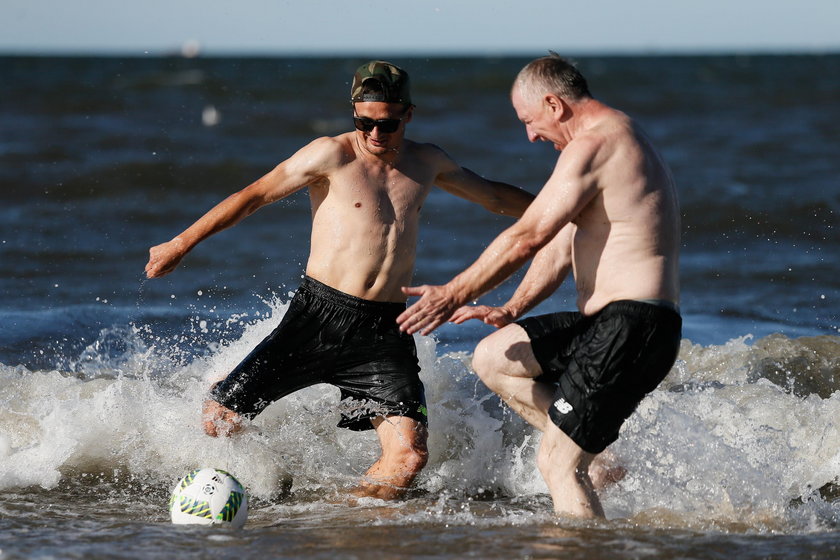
209, 497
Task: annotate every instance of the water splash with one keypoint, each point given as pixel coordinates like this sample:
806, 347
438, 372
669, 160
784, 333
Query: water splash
737, 434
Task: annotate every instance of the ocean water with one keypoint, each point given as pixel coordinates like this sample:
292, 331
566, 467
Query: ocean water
102, 372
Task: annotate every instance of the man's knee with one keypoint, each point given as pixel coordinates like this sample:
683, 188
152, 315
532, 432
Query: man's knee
481, 358
505, 353
485, 360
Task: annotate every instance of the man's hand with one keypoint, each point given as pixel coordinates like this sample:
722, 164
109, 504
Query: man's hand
495, 316
434, 308
165, 257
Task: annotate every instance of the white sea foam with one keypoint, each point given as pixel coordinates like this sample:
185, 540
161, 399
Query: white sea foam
717, 441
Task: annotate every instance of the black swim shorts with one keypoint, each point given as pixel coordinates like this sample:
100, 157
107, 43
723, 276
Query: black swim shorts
327, 336
603, 365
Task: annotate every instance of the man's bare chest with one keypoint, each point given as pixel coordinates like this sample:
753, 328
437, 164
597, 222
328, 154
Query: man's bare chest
391, 192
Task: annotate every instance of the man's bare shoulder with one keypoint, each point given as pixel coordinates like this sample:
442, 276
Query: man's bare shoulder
423, 149
330, 150
320, 158
612, 133
581, 155
430, 155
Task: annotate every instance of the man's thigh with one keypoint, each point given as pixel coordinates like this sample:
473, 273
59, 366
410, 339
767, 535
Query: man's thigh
508, 352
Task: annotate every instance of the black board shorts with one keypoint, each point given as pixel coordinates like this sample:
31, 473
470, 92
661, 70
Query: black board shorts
328, 336
603, 365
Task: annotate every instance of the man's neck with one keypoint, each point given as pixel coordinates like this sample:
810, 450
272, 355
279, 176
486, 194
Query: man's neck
587, 114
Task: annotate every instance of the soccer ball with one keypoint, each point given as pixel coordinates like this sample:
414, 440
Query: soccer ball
209, 497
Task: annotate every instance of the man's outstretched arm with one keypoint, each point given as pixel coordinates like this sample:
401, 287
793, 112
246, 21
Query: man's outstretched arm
304, 167
547, 272
495, 196
565, 194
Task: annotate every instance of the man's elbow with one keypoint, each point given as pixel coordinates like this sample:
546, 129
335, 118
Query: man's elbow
514, 208
251, 199
516, 203
525, 247
497, 207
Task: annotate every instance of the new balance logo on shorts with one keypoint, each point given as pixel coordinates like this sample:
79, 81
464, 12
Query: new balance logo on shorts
562, 406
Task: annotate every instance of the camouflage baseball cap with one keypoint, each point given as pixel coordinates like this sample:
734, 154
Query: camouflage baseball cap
393, 79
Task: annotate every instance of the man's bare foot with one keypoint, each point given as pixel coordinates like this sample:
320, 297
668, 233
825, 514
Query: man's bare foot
380, 490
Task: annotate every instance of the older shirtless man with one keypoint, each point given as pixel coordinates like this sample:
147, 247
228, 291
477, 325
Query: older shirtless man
366, 189
608, 213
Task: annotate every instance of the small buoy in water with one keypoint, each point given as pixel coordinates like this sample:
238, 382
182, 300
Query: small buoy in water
210, 116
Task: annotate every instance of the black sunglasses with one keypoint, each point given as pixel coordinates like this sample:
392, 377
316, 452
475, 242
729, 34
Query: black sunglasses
386, 126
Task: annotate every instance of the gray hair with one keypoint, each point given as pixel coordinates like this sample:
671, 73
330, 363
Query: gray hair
551, 74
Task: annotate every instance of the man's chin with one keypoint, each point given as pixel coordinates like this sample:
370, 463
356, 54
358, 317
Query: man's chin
378, 149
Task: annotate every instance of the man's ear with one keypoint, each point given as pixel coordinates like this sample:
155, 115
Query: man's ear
409, 114
554, 105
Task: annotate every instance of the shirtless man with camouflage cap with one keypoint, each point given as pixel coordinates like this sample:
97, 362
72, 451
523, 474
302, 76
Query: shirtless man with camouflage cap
366, 189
